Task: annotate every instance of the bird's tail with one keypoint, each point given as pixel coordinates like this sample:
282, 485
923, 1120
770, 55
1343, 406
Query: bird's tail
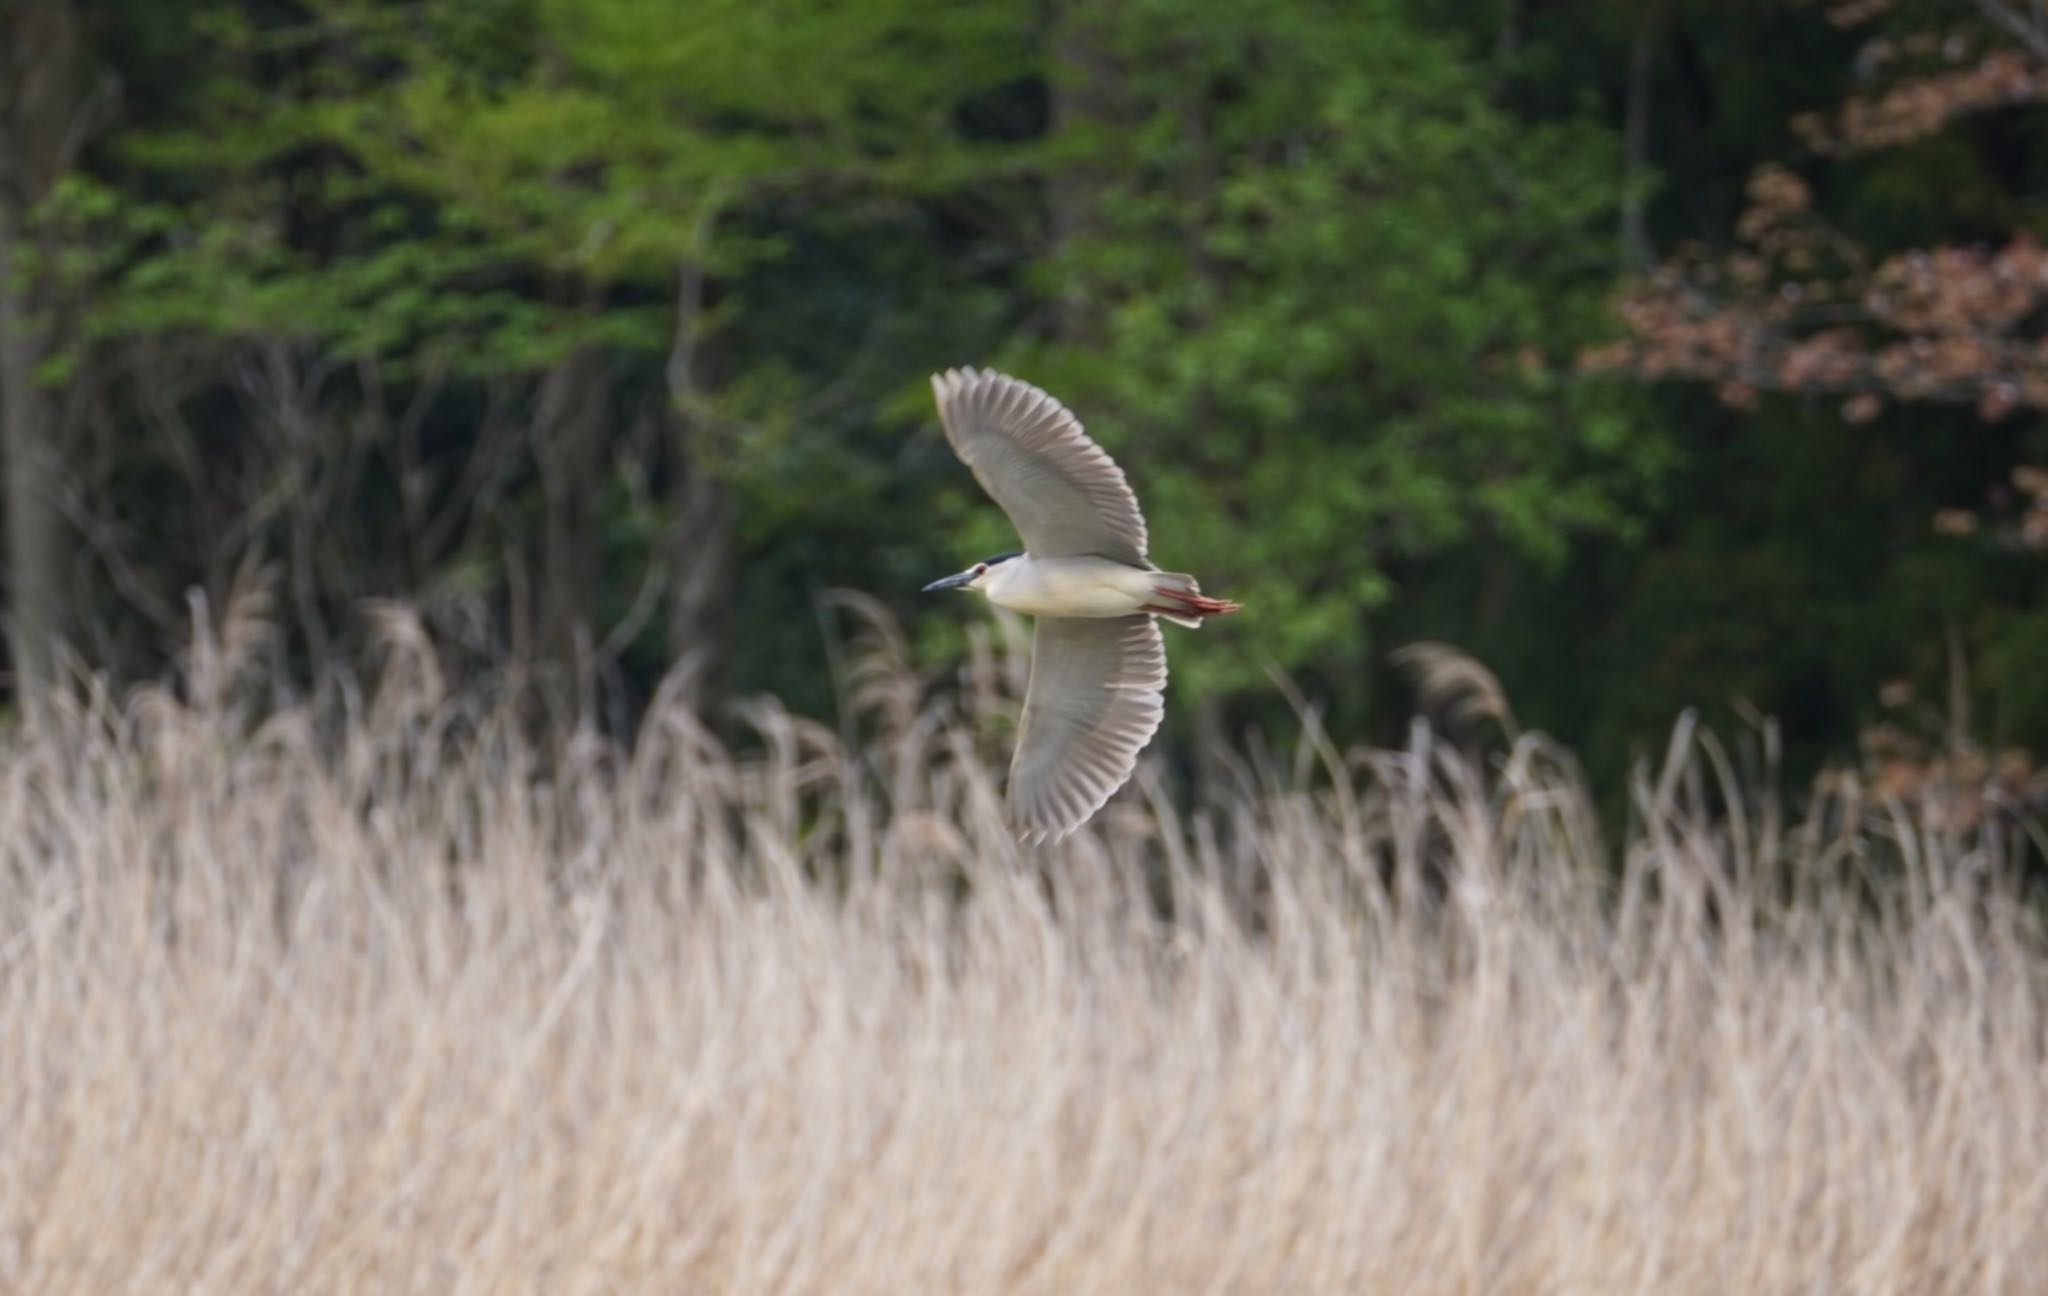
1177, 597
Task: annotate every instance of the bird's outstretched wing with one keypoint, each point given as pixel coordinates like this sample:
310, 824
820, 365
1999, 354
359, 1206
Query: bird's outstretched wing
1092, 705
1063, 493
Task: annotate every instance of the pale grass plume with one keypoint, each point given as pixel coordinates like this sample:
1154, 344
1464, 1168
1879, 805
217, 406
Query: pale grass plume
1451, 681
344, 998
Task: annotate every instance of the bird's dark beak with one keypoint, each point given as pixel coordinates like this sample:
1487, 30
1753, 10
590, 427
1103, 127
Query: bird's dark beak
954, 581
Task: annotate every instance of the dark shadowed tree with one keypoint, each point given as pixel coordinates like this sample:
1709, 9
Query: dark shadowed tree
42, 125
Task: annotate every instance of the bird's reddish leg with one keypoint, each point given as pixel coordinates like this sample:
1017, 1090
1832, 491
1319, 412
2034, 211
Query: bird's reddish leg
1187, 604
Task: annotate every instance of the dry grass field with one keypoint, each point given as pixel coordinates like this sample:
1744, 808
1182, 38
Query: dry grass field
361, 997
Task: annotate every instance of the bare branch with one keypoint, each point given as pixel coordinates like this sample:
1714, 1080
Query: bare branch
2030, 32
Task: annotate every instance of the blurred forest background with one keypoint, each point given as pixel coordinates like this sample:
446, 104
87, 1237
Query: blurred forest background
1663, 353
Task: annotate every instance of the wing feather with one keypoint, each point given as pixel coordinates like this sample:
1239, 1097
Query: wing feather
1094, 701
1064, 494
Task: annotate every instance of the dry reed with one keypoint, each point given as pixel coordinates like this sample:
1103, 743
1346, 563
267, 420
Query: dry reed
366, 997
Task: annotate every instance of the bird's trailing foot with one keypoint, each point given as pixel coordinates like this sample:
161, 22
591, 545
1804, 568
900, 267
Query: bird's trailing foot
1179, 604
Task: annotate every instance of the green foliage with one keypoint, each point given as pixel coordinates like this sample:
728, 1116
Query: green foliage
1334, 285
438, 186
1316, 272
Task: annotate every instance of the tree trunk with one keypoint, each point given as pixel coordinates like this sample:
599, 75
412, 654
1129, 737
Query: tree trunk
1637, 252
700, 628
39, 122
1083, 94
570, 424
27, 427
700, 611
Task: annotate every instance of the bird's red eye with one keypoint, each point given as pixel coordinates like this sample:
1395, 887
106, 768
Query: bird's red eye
979, 568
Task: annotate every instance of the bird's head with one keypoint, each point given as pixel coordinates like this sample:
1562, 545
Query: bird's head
975, 577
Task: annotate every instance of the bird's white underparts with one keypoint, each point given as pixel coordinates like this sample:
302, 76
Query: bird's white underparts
1098, 663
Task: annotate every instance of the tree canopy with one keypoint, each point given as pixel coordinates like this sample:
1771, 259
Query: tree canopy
1663, 355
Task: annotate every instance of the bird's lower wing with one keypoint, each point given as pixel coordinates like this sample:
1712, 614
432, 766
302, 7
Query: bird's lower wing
1093, 703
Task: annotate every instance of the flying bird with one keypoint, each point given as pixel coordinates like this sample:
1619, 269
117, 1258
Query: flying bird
1098, 662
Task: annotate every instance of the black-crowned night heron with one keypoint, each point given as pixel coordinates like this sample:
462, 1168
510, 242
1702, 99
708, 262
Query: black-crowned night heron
1098, 664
